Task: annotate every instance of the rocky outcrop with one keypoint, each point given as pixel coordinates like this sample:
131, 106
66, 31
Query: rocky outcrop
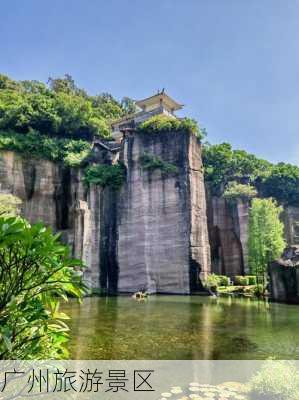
284, 277
151, 234
291, 223
163, 240
228, 224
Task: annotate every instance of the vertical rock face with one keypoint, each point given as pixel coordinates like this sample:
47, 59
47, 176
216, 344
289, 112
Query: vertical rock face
291, 223
39, 184
152, 234
284, 277
162, 230
228, 225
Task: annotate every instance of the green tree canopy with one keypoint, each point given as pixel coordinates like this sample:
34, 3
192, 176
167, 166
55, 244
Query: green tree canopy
57, 109
236, 190
282, 184
266, 234
223, 165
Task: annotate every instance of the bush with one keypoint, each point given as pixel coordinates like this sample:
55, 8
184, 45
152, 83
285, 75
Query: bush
276, 380
240, 280
164, 123
236, 191
223, 280
105, 175
151, 162
251, 280
212, 281
36, 272
69, 151
9, 205
259, 290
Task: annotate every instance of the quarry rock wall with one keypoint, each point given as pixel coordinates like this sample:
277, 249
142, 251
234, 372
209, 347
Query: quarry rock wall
151, 234
162, 227
162, 231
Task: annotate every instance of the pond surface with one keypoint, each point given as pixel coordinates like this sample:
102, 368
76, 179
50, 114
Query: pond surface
182, 327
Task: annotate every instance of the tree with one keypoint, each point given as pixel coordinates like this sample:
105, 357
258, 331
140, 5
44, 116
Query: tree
283, 184
236, 191
222, 164
35, 273
60, 109
266, 235
128, 105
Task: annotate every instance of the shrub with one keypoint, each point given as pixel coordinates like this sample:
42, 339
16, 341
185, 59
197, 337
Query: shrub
105, 175
236, 190
240, 280
164, 123
69, 151
276, 380
9, 205
151, 162
259, 290
36, 272
223, 280
252, 280
212, 281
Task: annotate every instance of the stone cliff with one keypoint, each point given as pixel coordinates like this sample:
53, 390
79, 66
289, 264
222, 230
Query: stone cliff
151, 234
161, 231
162, 226
284, 277
228, 233
228, 224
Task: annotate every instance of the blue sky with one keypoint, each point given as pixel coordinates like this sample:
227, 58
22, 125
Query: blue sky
233, 63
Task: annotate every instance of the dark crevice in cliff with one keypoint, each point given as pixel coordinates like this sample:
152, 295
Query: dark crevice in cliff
62, 197
29, 174
109, 270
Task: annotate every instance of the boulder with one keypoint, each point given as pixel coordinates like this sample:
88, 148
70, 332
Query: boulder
284, 277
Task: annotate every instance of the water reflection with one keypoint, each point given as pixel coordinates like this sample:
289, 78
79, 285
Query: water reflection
182, 327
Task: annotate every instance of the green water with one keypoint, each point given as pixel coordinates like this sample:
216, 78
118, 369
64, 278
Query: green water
182, 327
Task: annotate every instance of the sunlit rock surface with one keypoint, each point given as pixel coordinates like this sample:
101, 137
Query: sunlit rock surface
152, 234
162, 225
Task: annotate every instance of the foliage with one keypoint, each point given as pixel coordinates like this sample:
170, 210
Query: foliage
212, 281
282, 184
9, 205
266, 234
71, 152
251, 279
276, 380
151, 163
223, 280
35, 273
258, 290
128, 105
236, 190
240, 280
58, 109
164, 123
105, 175
222, 164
